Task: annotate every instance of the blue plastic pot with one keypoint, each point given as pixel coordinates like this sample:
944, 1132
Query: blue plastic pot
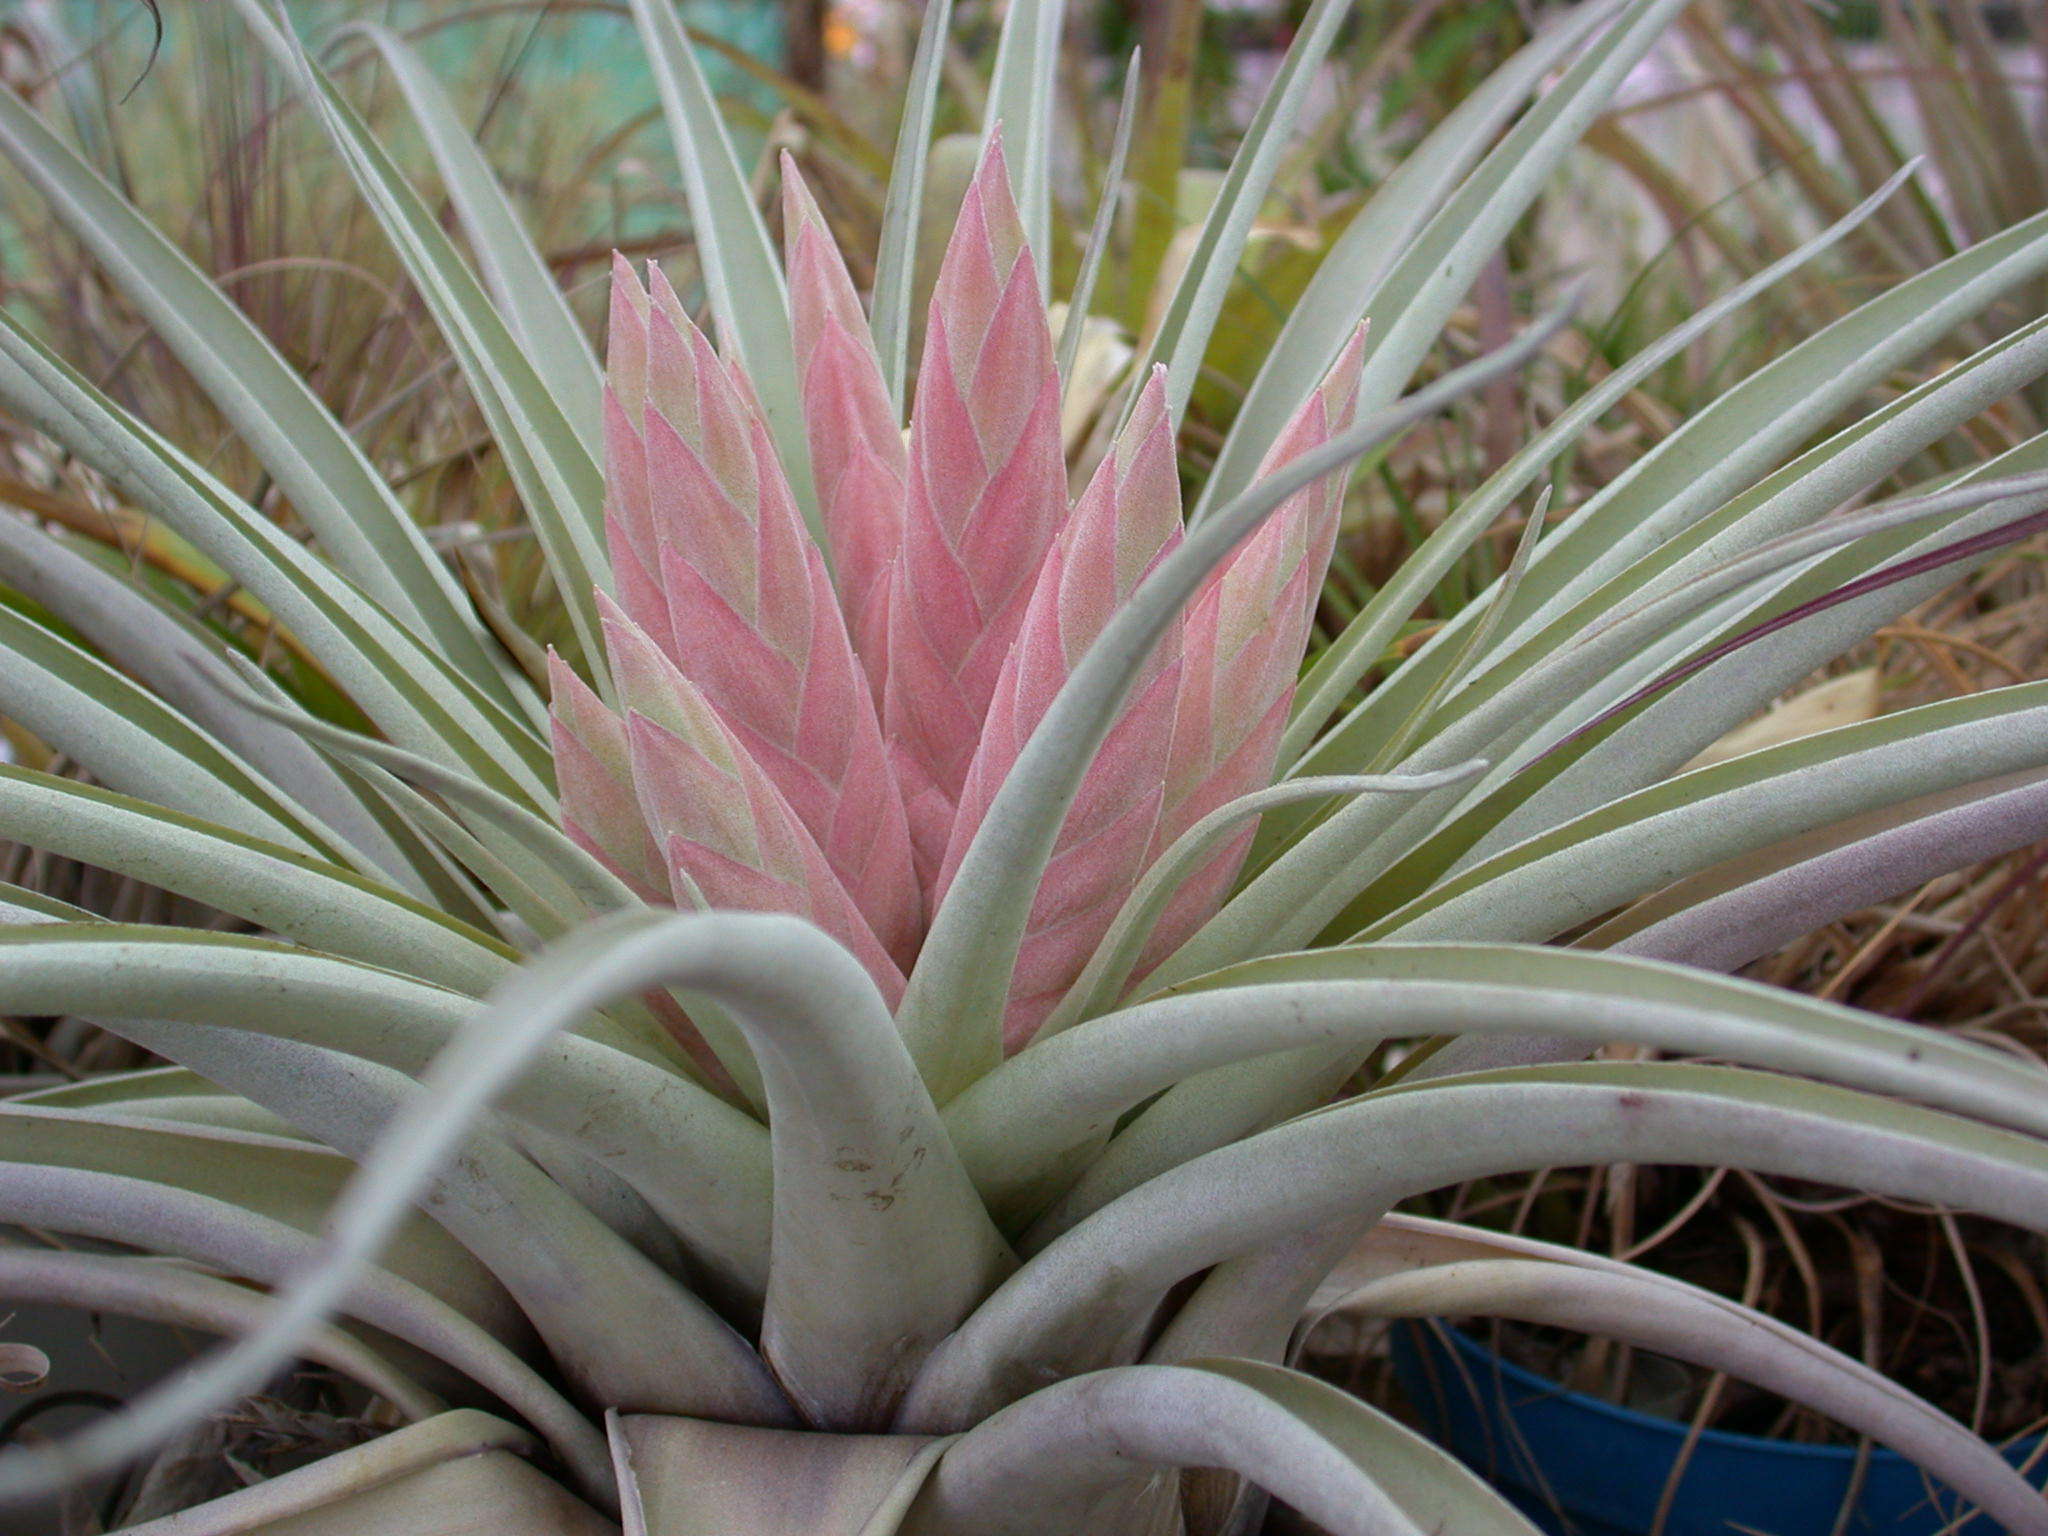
1579, 1466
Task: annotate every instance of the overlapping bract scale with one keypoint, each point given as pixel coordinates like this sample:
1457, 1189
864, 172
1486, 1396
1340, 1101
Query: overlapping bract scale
1127, 518
985, 496
857, 452
740, 602
594, 773
730, 836
1241, 646
828, 743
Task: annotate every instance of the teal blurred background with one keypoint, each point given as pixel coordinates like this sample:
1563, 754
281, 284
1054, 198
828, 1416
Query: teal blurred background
564, 40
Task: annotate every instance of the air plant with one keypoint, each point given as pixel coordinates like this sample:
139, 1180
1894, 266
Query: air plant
957, 920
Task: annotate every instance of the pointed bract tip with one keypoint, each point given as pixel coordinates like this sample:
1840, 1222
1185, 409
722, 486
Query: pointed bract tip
626, 344
627, 290
567, 692
611, 618
799, 203
991, 188
1351, 361
994, 165
558, 670
1152, 397
662, 293
1339, 389
988, 233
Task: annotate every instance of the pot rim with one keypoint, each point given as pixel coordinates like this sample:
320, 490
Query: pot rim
1491, 1362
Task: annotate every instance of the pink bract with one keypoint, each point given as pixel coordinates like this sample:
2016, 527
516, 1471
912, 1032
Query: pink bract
822, 731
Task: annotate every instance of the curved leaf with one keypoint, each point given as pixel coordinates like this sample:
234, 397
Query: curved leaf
1740, 911
1085, 1299
322, 905
879, 1244
589, 1293
700, 1163
1015, 1122
237, 1241
1085, 1454
330, 481
952, 1009
1610, 855
291, 1182
171, 1294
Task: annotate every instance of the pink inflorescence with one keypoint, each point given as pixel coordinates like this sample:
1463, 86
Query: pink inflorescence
828, 744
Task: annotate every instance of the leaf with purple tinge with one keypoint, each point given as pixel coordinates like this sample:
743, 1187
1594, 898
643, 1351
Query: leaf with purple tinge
1241, 652
857, 452
1125, 522
750, 614
723, 825
985, 496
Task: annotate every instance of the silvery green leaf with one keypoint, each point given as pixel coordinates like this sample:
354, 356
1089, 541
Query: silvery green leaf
365, 529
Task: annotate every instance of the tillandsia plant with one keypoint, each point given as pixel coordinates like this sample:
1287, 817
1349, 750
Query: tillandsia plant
934, 1104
